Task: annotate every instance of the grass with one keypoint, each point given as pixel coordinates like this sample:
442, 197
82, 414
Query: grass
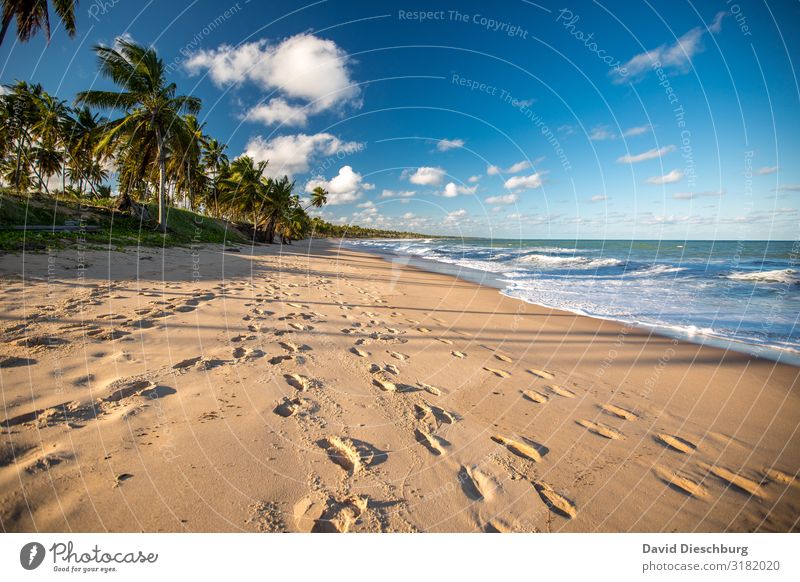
114, 229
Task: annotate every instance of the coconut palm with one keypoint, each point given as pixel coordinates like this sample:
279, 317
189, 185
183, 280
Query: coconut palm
245, 190
319, 198
152, 112
33, 15
214, 161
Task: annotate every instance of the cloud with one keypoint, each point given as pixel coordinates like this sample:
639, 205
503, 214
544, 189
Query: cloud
716, 25
524, 182
505, 199
602, 133
449, 144
451, 190
278, 111
398, 194
675, 57
512, 169
302, 67
426, 176
637, 130
345, 187
789, 188
598, 198
692, 195
648, 155
474, 179
455, 215
670, 178
292, 154
767, 170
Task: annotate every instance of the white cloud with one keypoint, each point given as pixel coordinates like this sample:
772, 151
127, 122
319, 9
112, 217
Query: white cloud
408, 215
426, 176
345, 187
669, 178
524, 182
789, 187
716, 25
648, 155
512, 169
637, 130
602, 133
303, 67
474, 179
505, 199
692, 195
278, 111
451, 190
455, 215
767, 170
449, 144
675, 57
291, 154
598, 198
398, 194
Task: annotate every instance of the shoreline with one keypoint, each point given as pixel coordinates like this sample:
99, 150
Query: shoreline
318, 388
782, 355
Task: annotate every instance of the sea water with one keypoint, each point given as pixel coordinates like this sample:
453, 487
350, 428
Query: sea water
741, 295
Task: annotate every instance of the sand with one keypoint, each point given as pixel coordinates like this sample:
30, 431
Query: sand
312, 388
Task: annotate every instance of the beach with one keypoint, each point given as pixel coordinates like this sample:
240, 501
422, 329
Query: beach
314, 387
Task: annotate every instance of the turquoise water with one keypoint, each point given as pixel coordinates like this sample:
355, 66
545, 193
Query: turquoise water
744, 295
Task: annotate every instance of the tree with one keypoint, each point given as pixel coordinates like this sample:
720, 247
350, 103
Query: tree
319, 198
152, 112
214, 161
32, 15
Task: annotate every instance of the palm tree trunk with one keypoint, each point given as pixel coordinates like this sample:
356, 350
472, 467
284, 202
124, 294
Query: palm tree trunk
162, 178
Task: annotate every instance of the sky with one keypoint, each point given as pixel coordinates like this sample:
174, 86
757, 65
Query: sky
514, 119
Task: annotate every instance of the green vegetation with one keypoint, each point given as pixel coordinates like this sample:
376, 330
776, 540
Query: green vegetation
170, 175
321, 228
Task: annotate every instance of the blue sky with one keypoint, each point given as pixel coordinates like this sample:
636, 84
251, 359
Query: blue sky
512, 119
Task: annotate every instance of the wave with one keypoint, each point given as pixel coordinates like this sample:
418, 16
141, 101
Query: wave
549, 261
658, 270
787, 276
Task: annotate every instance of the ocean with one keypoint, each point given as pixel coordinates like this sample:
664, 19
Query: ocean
740, 295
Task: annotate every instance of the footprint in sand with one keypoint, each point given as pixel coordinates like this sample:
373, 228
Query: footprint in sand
518, 448
680, 483
503, 358
399, 356
498, 373
359, 353
430, 389
555, 502
476, 484
435, 444
444, 341
384, 385
392, 369
601, 430
280, 359
534, 396
440, 415
344, 453
290, 347
339, 517
779, 476
423, 330
675, 443
288, 407
461, 355
297, 381
542, 374
561, 391
619, 412
734, 479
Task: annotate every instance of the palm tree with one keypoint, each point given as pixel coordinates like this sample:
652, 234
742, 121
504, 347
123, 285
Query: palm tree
319, 198
152, 112
214, 160
245, 191
17, 115
280, 200
83, 163
32, 15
